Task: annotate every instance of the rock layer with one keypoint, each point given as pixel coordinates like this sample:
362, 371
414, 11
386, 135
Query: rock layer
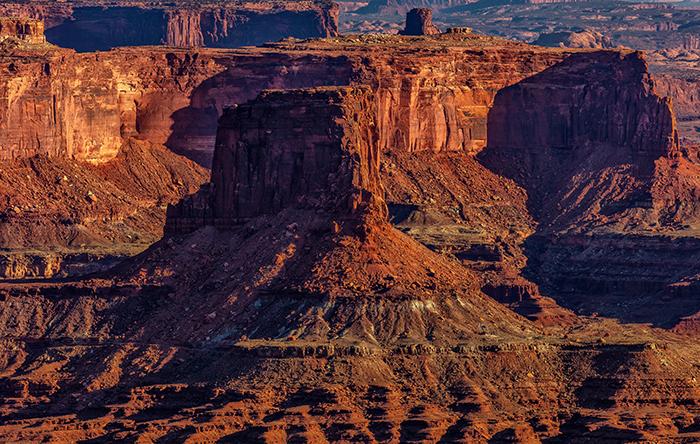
52, 108
312, 318
286, 146
287, 307
175, 97
575, 39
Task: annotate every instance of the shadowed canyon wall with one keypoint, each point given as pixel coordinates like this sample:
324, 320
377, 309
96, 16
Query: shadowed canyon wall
91, 26
597, 113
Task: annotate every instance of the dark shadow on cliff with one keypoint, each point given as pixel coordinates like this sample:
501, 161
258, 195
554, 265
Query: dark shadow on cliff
589, 182
101, 29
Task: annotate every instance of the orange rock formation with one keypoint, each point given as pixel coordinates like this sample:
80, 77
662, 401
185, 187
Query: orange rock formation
284, 305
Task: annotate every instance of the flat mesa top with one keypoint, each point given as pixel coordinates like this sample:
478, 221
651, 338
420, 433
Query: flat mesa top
439, 43
361, 45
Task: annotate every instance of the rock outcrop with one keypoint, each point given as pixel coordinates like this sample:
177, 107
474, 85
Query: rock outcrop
175, 97
92, 25
315, 145
575, 117
419, 21
351, 250
52, 107
575, 39
25, 29
580, 134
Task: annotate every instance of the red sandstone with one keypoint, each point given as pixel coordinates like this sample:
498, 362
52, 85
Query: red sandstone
340, 277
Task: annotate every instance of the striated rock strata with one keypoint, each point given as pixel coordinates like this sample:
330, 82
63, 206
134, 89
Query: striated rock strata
175, 97
614, 193
308, 316
580, 138
27, 30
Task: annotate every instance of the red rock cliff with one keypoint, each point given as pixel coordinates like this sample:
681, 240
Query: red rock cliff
313, 148
604, 97
24, 29
429, 100
590, 144
58, 105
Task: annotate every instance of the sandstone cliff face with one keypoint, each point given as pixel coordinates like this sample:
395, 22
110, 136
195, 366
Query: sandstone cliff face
419, 21
171, 97
363, 333
315, 145
90, 26
60, 106
599, 117
576, 113
428, 101
227, 28
438, 100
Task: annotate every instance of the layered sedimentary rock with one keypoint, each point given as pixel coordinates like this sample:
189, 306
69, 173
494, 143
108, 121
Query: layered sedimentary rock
51, 107
78, 191
272, 152
175, 97
93, 25
81, 106
425, 101
605, 179
430, 178
638, 121
580, 138
676, 76
312, 318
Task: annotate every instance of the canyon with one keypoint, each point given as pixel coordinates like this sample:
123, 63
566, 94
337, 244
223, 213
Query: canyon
92, 25
432, 237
